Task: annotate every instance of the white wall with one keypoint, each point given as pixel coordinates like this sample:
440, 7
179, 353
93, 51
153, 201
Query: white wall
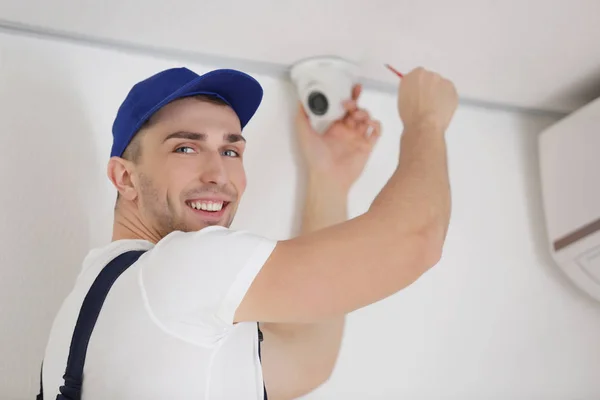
493, 320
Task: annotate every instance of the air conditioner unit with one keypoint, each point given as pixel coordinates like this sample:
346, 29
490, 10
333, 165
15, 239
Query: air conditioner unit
569, 154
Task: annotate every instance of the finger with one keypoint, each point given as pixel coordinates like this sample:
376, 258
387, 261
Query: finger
360, 116
357, 121
373, 132
301, 111
356, 91
350, 105
350, 122
302, 120
300, 114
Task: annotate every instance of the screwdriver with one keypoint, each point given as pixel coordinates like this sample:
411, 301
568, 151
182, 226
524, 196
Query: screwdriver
394, 70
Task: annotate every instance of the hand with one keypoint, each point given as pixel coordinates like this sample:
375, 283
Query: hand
339, 155
426, 99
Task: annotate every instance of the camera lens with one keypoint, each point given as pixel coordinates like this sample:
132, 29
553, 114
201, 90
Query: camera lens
317, 102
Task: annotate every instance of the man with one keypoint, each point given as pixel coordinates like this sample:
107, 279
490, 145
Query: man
181, 321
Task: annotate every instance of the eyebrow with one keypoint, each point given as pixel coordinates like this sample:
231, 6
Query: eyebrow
228, 137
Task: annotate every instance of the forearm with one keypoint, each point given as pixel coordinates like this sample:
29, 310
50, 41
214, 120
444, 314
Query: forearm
416, 199
325, 204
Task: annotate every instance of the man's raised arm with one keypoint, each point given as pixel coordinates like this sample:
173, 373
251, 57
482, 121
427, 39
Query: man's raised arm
347, 266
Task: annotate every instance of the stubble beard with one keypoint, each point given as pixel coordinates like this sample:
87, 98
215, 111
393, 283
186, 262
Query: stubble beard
163, 213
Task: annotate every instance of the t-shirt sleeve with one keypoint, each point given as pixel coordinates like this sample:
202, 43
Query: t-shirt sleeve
196, 280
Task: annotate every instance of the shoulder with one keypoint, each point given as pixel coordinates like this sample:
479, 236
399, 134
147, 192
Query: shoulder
97, 258
216, 253
212, 240
204, 273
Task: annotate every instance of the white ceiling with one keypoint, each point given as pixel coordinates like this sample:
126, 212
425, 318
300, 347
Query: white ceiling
527, 53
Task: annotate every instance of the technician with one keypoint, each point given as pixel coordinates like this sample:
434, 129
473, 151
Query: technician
180, 306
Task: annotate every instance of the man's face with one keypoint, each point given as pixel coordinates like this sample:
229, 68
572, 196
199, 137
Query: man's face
190, 174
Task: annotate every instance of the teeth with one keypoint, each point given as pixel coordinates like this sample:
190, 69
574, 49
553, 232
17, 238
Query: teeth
207, 205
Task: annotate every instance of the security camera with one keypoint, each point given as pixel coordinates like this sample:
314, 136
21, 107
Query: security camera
322, 84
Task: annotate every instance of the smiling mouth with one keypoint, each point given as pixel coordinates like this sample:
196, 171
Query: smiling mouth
212, 207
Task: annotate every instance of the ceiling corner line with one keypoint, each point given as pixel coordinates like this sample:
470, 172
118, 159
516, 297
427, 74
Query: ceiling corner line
258, 67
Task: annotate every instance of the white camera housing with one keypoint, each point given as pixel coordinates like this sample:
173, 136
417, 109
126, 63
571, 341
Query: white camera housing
322, 84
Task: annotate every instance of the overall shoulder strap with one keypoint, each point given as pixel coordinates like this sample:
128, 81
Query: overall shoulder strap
40, 396
88, 315
260, 339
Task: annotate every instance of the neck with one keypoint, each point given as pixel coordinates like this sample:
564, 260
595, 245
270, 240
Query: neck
128, 225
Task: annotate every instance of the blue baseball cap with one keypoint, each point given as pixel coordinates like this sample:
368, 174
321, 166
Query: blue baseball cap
239, 90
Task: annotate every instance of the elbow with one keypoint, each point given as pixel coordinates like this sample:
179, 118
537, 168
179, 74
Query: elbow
310, 382
321, 373
426, 249
412, 246
316, 378
431, 247
326, 372
318, 374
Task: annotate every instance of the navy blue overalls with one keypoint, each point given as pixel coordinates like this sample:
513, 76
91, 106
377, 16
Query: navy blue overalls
88, 315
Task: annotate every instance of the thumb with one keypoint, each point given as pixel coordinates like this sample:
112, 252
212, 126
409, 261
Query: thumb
301, 115
303, 125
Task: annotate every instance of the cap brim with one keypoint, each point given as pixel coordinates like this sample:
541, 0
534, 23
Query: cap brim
241, 91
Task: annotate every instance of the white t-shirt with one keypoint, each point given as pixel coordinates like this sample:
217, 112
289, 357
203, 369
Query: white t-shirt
166, 328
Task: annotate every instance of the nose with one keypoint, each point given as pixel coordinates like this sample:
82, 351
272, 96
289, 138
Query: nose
214, 171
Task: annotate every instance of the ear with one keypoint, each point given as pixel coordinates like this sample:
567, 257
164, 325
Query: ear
119, 172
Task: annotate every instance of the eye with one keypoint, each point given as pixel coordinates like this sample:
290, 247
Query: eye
231, 153
184, 149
